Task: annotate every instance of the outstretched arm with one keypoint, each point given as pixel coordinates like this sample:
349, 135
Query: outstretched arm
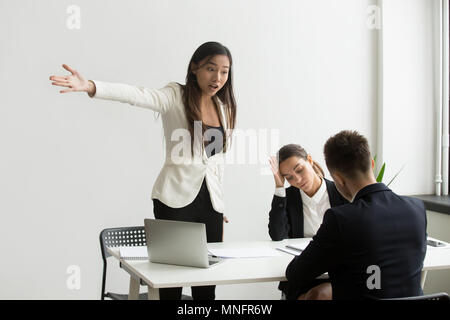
158, 100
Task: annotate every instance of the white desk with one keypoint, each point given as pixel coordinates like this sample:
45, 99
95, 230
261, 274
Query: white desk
234, 271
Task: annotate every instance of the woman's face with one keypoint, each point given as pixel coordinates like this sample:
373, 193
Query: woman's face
212, 74
298, 172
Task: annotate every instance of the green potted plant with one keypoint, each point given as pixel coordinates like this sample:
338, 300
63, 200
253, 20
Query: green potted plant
380, 174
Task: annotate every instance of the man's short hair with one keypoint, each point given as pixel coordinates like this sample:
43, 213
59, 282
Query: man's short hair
348, 152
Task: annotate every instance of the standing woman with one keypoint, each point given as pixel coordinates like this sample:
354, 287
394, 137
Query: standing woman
297, 211
189, 187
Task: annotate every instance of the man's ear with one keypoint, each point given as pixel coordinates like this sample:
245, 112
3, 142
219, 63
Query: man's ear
373, 164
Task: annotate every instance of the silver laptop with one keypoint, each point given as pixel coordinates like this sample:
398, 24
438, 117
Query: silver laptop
178, 242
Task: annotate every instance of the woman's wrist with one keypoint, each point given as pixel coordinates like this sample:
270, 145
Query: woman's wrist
91, 88
280, 192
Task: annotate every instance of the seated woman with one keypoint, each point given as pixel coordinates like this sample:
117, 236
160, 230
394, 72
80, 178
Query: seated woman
297, 211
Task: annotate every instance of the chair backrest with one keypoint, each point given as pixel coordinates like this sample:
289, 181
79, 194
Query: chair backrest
121, 237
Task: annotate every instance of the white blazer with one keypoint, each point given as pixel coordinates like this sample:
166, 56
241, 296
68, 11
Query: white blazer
178, 182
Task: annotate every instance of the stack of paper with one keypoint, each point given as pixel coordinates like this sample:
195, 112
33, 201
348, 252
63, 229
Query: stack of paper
134, 253
244, 253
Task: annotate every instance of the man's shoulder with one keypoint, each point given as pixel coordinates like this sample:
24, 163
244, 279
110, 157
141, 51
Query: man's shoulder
414, 203
343, 209
393, 199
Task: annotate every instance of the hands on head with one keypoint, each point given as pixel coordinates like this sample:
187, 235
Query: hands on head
74, 82
279, 180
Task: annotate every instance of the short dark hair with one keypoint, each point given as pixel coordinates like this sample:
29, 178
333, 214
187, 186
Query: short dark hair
348, 152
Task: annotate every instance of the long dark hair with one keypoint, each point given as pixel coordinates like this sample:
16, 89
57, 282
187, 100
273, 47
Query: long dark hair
192, 92
291, 150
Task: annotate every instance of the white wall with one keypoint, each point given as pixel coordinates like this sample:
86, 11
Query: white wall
71, 166
409, 64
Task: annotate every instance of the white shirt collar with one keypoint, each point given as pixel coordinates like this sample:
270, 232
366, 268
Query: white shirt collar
317, 196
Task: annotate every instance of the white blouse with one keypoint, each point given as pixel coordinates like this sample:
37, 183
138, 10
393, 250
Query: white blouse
180, 180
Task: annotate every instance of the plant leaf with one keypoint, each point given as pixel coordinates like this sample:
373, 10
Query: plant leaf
381, 173
395, 176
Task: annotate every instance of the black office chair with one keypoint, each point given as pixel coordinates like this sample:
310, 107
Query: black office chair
434, 296
119, 237
122, 237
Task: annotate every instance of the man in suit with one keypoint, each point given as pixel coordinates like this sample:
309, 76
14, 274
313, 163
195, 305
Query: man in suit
374, 246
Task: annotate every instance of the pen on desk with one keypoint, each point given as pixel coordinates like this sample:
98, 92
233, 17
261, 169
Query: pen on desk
290, 251
294, 248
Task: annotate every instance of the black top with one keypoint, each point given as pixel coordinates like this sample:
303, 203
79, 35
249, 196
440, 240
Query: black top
211, 134
286, 214
379, 228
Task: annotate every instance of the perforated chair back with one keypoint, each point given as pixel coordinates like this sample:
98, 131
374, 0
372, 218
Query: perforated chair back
119, 237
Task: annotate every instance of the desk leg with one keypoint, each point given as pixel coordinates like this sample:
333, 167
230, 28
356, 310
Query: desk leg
153, 294
423, 277
133, 294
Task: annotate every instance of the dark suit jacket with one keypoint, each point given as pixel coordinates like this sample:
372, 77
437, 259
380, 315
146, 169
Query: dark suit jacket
379, 228
286, 214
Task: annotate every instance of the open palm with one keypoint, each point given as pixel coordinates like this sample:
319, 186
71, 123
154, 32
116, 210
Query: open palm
74, 82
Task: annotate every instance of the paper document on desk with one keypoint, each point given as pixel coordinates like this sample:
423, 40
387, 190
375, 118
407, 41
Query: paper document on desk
244, 253
134, 253
290, 251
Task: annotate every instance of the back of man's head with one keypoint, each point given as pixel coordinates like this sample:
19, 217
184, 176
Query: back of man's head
348, 153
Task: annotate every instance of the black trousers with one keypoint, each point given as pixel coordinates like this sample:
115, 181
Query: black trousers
202, 211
